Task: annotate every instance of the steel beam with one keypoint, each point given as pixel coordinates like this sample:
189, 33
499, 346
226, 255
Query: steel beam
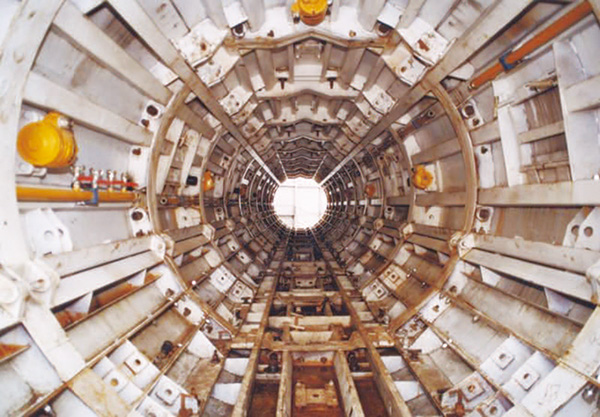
490, 23
135, 15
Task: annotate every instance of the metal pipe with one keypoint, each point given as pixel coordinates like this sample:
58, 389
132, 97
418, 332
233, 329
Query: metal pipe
510, 59
68, 195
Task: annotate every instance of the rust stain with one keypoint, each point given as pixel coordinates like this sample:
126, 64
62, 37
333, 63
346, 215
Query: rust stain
114, 293
150, 277
7, 349
259, 42
66, 318
264, 399
423, 45
316, 375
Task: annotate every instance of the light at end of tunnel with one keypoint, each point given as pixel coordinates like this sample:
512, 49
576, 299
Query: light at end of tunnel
300, 203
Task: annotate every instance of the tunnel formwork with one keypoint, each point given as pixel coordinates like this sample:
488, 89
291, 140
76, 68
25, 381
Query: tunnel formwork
144, 270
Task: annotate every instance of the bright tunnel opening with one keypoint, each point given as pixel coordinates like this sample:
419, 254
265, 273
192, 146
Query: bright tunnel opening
300, 203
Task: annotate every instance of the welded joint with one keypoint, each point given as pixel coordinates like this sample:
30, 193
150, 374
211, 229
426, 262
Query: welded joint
208, 231
35, 280
461, 242
593, 276
407, 230
12, 293
162, 245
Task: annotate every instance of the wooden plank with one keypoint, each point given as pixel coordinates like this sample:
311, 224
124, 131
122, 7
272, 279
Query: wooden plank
43, 93
542, 132
561, 281
578, 193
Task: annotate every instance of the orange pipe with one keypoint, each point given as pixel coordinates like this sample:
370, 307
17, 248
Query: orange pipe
552, 31
65, 195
